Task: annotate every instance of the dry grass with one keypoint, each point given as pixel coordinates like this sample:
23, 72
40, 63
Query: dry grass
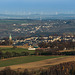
12, 46
66, 50
47, 62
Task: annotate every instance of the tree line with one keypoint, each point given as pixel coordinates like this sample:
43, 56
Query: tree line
12, 54
58, 44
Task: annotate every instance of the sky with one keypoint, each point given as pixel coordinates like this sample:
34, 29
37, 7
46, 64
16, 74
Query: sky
37, 6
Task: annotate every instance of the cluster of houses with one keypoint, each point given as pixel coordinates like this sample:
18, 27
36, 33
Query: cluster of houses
33, 41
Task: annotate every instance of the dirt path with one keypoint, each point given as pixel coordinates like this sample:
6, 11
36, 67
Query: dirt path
42, 63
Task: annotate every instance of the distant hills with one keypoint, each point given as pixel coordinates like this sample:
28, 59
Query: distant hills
38, 16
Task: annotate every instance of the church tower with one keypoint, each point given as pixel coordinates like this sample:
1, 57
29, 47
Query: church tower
10, 38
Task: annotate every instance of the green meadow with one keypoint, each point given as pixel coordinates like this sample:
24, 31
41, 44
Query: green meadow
25, 59
17, 50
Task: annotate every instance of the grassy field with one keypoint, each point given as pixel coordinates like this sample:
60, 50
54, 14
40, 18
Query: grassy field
17, 50
26, 59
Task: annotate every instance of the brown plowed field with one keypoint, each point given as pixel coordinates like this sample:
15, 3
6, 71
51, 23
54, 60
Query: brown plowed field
42, 63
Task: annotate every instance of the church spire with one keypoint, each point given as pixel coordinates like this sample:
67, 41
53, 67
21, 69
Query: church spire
10, 40
10, 37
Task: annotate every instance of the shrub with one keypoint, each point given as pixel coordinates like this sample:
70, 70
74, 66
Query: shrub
24, 53
1, 54
7, 55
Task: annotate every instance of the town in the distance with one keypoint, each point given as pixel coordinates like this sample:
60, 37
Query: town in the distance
32, 33
36, 41
37, 46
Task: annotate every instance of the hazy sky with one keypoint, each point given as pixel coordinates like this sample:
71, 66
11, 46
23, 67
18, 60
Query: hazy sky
37, 6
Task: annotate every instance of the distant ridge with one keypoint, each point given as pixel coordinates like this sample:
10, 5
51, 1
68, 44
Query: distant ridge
37, 16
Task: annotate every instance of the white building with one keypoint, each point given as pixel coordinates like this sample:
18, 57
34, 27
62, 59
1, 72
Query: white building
30, 48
